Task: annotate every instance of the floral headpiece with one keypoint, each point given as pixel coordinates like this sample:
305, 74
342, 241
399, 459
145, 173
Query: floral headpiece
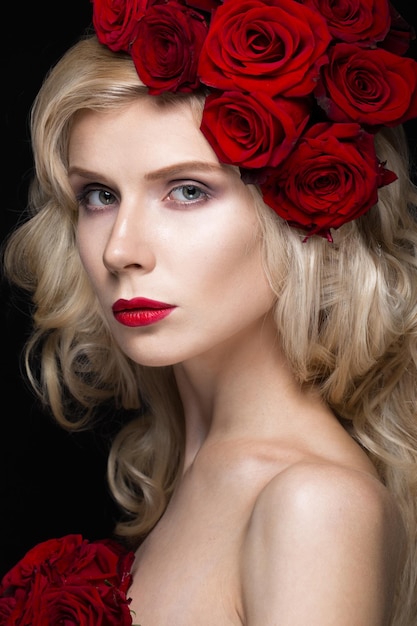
297, 90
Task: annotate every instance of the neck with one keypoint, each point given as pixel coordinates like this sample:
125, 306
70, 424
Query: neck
243, 388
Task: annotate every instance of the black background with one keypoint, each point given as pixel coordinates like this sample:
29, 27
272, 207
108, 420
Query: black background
51, 482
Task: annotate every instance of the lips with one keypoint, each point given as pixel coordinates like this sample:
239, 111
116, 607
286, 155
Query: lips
140, 311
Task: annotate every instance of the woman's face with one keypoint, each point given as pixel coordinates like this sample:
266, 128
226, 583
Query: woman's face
169, 237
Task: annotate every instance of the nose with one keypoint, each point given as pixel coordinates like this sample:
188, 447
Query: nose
130, 243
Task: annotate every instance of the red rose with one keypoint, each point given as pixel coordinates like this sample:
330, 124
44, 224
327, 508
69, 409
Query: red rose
79, 604
59, 552
252, 130
355, 20
69, 581
274, 46
167, 47
368, 85
331, 178
115, 21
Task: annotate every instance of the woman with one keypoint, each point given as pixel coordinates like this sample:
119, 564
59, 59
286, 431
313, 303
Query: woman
222, 242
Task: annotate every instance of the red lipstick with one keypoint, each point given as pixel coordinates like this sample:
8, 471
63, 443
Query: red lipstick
140, 311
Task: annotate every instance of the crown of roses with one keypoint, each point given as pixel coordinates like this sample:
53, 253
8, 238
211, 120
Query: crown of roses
297, 90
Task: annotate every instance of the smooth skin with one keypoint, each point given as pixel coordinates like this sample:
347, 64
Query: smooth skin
279, 518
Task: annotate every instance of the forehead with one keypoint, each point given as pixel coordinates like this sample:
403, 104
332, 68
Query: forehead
146, 124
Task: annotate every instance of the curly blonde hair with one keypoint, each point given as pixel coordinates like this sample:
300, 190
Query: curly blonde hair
354, 337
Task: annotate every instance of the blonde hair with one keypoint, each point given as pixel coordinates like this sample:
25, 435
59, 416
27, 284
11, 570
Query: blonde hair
354, 336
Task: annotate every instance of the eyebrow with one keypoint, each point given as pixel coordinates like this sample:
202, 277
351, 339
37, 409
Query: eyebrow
178, 168
170, 171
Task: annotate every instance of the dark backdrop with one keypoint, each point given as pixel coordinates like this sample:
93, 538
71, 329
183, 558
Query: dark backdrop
51, 482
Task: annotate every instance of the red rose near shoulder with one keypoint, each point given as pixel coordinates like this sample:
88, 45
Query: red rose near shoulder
68, 581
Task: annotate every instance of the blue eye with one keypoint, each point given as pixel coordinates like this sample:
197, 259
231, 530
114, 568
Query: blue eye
188, 193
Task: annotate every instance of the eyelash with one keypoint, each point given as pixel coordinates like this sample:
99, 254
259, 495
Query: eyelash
84, 198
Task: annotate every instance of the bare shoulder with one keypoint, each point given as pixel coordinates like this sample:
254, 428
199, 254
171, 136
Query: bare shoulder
322, 547
308, 489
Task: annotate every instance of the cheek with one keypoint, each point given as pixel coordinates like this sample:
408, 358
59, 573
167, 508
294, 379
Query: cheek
89, 251
242, 249
235, 261
82, 248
